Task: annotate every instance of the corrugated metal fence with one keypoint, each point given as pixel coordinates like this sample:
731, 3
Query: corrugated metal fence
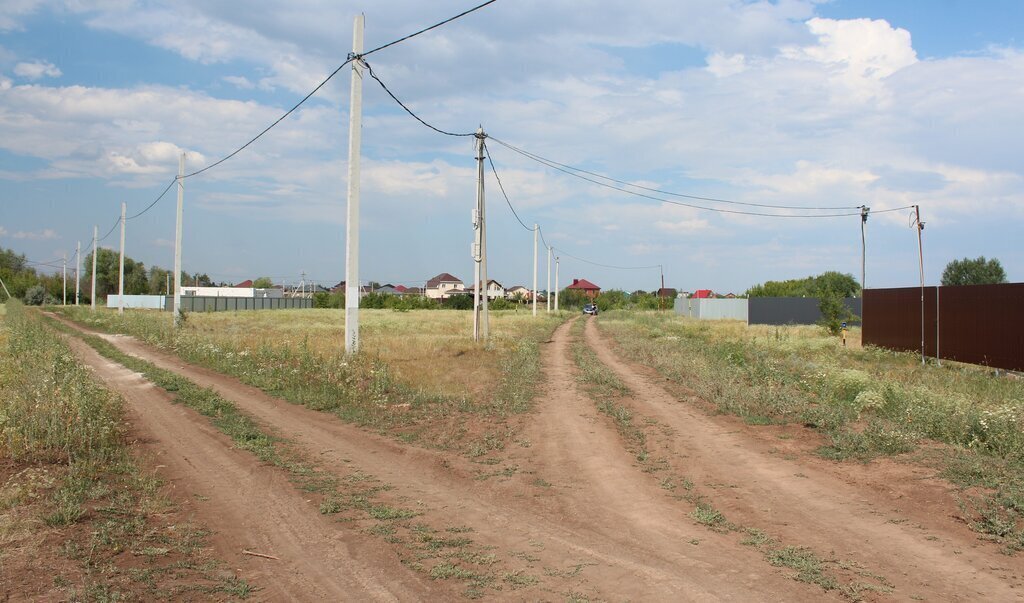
794, 310
979, 324
197, 303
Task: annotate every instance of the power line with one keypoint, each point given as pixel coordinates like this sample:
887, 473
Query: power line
409, 111
651, 267
502, 188
577, 173
536, 157
116, 222
155, 201
268, 128
301, 102
328, 78
434, 26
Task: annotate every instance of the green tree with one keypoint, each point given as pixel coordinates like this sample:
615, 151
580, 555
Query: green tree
978, 271
263, 282
831, 282
136, 280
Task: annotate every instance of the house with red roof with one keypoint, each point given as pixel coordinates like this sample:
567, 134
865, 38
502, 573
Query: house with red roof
703, 294
581, 284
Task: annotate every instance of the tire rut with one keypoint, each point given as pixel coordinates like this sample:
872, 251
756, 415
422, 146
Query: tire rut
813, 507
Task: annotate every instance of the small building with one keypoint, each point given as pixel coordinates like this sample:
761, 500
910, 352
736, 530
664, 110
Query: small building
703, 294
588, 288
667, 292
444, 285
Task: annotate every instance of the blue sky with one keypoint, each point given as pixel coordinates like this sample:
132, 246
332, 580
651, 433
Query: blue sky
795, 102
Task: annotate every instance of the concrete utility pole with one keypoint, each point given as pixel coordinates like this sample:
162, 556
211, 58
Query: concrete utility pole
536, 231
547, 296
480, 305
65, 289
920, 253
863, 249
5, 288
352, 220
95, 235
661, 298
556, 283
485, 323
120, 270
177, 242
78, 271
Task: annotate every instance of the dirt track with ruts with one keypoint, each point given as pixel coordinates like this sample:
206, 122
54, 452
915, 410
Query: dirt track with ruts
580, 516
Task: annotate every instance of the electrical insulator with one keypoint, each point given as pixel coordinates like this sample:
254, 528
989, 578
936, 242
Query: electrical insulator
476, 218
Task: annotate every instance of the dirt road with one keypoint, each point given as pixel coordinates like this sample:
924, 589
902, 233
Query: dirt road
826, 506
578, 518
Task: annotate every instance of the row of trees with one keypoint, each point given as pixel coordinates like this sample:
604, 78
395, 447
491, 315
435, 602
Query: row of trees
22, 279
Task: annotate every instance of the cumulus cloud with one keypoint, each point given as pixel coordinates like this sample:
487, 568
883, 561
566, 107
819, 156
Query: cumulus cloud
36, 70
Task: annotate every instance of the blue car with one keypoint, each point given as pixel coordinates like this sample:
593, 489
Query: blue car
590, 309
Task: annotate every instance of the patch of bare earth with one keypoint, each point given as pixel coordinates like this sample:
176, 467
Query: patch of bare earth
892, 521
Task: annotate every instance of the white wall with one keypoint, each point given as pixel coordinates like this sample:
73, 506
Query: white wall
151, 302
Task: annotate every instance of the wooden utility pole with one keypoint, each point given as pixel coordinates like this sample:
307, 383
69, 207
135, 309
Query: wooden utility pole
120, 270
352, 219
177, 242
95, 235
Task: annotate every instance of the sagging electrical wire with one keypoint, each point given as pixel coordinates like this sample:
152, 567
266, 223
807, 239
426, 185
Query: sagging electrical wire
155, 201
408, 110
501, 187
578, 173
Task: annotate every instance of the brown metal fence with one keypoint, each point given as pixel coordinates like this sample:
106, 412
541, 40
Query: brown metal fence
979, 324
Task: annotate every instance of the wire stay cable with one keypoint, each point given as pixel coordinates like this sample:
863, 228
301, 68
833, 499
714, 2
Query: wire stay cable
408, 110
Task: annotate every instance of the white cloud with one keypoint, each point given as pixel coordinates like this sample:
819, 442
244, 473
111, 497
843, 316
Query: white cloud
13, 11
36, 70
723, 65
42, 235
239, 81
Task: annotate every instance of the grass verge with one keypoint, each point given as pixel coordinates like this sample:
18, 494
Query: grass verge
866, 402
79, 518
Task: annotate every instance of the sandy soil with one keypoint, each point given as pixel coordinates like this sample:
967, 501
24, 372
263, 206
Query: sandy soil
577, 513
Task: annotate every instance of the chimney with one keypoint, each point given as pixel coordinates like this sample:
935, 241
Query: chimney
575, 280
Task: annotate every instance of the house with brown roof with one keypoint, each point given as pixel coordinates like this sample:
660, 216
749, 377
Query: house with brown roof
444, 285
519, 293
581, 284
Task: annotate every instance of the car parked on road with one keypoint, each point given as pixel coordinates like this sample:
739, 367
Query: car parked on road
590, 309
